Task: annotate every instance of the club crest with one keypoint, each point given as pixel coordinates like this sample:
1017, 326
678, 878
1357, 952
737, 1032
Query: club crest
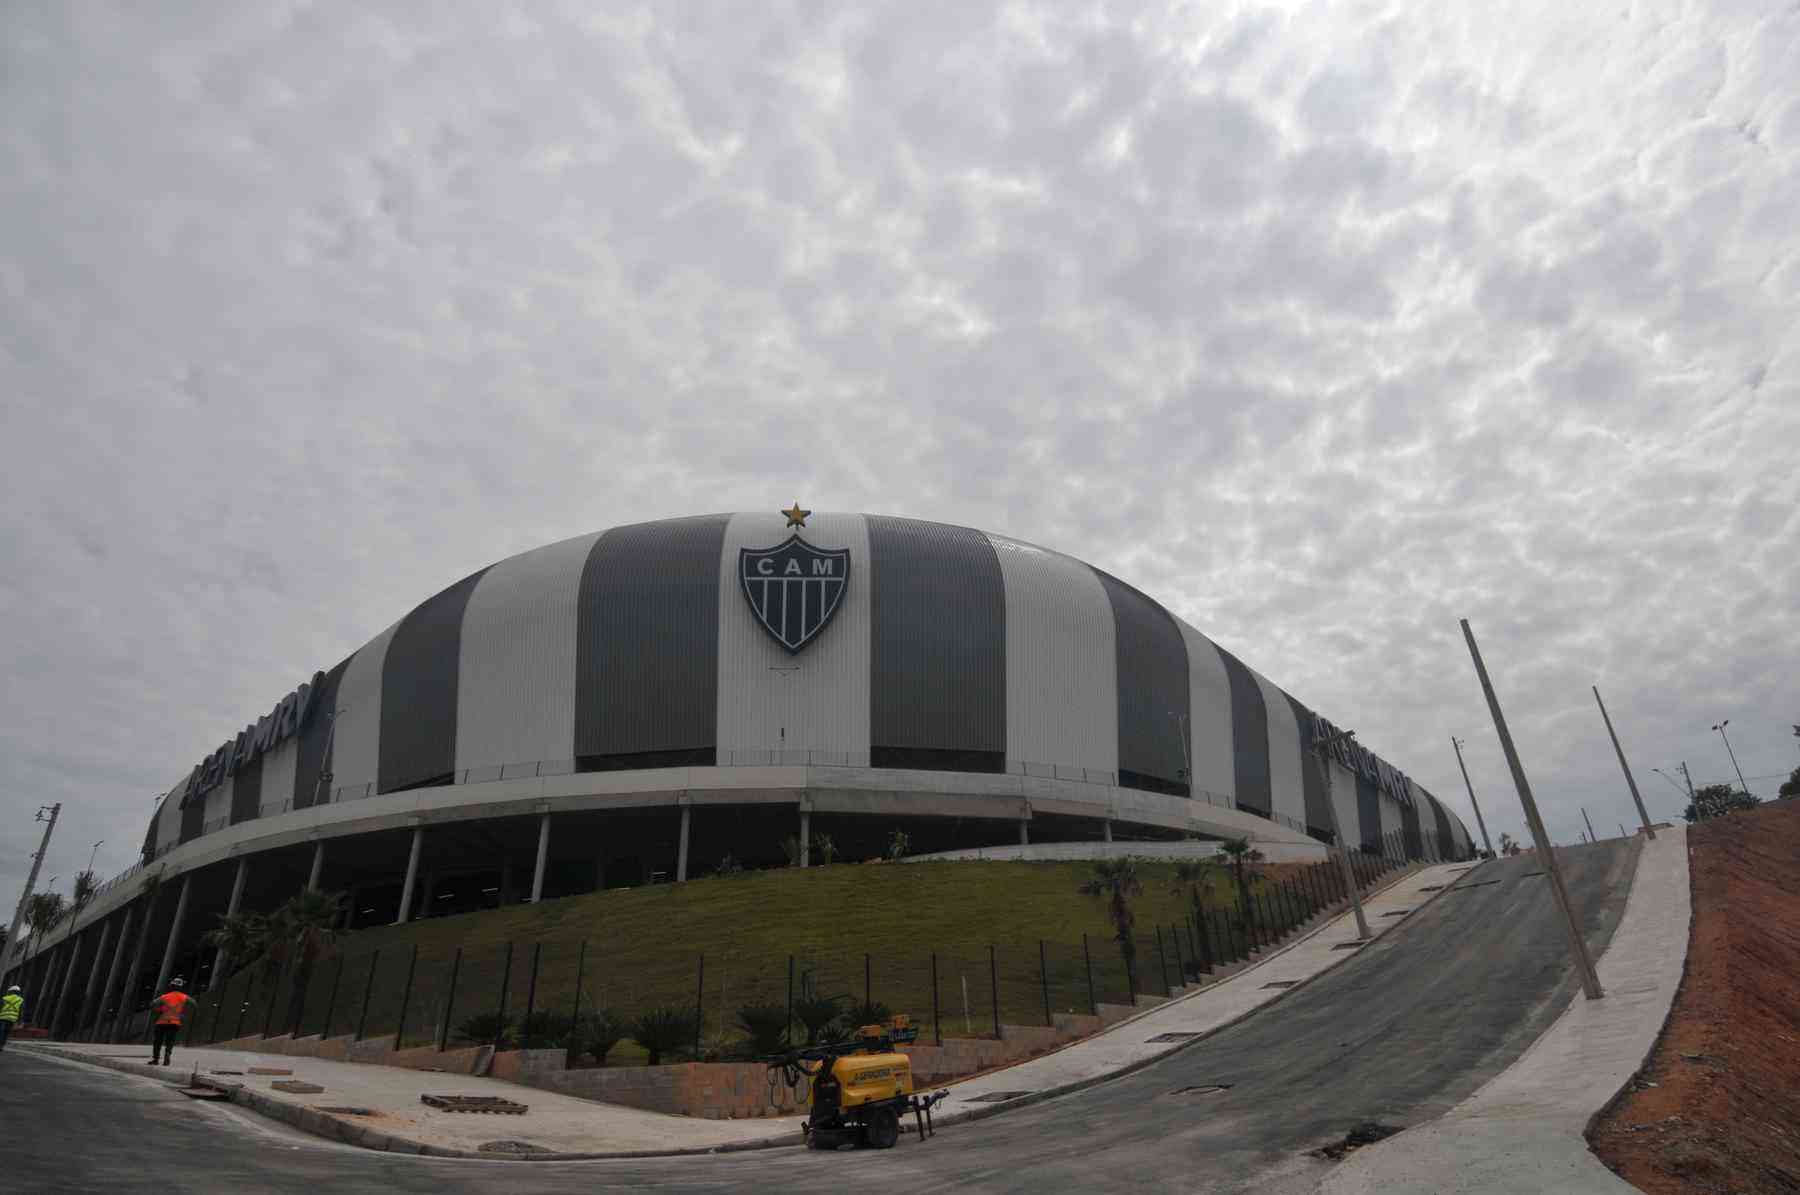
793, 588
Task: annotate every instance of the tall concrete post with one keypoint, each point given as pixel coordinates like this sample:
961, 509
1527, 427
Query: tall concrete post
318, 866
73, 981
1584, 963
412, 876
129, 981
1592, 837
1485, 840
681, 854
1630, 781
126, 917
221, 959
37, 861
82, 1010
543, 858
175, 928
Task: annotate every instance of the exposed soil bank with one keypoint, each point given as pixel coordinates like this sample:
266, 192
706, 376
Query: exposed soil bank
1717, 1107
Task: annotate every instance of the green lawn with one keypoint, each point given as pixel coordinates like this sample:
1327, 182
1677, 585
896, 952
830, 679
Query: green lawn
642, 947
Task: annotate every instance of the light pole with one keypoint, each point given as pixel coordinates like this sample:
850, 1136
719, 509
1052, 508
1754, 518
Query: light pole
1630, 781
1671, 780
1734, 763
1456, 745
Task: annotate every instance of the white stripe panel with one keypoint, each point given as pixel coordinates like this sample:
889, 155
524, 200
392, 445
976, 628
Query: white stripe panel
1209, 703
355, 744
1062, 697
813, 706
1287, 784
278, 776
516, 671
1343, 797
218, 801
168, 827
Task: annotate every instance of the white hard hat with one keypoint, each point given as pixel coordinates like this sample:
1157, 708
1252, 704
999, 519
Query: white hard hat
13, 988
177, 982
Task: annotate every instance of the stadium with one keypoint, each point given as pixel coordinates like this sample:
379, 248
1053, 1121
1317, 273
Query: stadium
631, 706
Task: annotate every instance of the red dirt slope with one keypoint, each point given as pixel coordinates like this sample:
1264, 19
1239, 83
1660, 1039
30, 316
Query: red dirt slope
1717, 1107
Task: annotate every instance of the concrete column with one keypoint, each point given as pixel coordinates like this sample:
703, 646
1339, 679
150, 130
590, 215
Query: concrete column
93, 979
318, 866
1024, 832
112, 972
412, 875
129, 980
221, 960
1106, 828
682, 853
599, 875
543, 858
506, 882
175, 928
806, 838
65, 979
73, 980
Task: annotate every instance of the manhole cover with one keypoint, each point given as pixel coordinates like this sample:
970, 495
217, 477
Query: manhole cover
995, 1097
342, 1111
473, 1103
1281, 983
296, 1087
1432, 888
1349, 946
1202, 1089
270, 1070
204, 1093
1366, 1133
1165, 1037
1397, 913
510, 1147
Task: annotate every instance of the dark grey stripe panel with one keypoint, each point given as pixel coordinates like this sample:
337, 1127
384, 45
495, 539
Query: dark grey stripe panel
1249, 737
150, 843
193, 820
1446, 843
315, 738
419, 678
1152, 690
647, 646
937, 647
1368, 812
1409, 831
1318, 805
246, 791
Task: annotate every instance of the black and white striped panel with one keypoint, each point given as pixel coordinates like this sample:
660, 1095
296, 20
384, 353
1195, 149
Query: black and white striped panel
1152, 683
419, 691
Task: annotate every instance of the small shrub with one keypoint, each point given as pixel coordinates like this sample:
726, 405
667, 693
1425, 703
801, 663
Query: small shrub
596, 1033
728, 866
827, 848
818, 1016
481, 1028
870, 1013
664, 1030
766, 1025
790, 846
899, 843
544, 1030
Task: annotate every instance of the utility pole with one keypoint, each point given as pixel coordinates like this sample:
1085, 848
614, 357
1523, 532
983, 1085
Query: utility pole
1320, 748
1584, 963
1734, 763
1685, 775
37, 861
1456, 744
1630, 782
1592, 837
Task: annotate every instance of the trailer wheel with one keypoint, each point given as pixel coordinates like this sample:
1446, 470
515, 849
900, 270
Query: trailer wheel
883, 1130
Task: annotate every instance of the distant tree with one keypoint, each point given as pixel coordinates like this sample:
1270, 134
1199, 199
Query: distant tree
243, 937
1117, 882
1509, 846
1716, 800
86, 884
42, 912
1791, 787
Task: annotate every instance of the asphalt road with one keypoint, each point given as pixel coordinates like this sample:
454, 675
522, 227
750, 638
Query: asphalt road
1398, 1034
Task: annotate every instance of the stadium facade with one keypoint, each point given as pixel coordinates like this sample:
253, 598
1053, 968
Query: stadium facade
634, 705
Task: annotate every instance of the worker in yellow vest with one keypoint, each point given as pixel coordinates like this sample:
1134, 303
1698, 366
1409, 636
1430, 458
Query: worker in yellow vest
12, 1007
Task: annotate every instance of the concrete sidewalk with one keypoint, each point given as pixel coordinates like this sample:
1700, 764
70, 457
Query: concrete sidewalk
1130, 1044
568, 1127
1524, 1131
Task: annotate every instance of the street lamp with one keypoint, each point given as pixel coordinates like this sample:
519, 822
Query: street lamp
1734, 763
1671, 780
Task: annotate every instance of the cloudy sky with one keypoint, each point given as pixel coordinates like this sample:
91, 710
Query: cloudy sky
1326, 325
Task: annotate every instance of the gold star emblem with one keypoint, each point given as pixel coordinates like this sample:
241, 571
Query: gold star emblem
795, 516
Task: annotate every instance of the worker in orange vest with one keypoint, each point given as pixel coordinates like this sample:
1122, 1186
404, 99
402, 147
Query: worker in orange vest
170, 1010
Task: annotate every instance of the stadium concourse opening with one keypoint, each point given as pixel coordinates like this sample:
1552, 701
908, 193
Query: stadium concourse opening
639, 705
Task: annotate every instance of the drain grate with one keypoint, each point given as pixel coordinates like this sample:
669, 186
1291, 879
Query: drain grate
1432, 888
1280, 983
1166, 1037
510, 1147
995, 1097
1202, 1089
1349, 946
1397, 913
473, 1103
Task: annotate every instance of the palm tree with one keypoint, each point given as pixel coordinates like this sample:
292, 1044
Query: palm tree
42, 911
1117, 881
302, 932
240, 938
85, 886
1242, 857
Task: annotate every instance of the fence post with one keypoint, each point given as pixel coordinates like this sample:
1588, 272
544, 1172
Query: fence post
405, 997
1087, 961
362, 1018
868, 987
575, 1012
237, 1030
699, 1006
994, 987
500, 1016
269, 1016
1201, 946
1181, 967
331, 1000
1044, 981
1162, 963
937, 1025
537, 951
787, 1026
218, 1011
449, 1001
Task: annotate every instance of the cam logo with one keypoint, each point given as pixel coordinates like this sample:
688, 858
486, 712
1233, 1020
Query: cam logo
793, 588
